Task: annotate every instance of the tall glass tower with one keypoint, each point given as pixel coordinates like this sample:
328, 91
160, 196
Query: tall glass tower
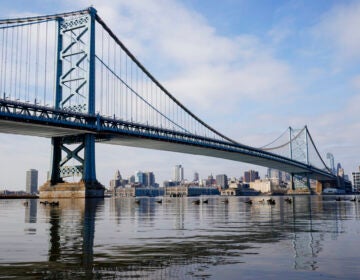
32, 181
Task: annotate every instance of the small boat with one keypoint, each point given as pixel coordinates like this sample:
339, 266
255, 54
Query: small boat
225, 201
353, 199
159, 201
137, 201
249, 201
205, 201
271, 201
54, 203
26, 203
288, 200
262, 201
197, 202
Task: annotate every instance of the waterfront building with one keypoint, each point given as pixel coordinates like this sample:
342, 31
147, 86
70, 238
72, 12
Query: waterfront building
356, 181
251, 176
197, 191
264, 186
222, 181
178, 191
32, 181
116, 182
149, 191
210, 181
234, 183
170, 184
128, 191
278, 177
178, 173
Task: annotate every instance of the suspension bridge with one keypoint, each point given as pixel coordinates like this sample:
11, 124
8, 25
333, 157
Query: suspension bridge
68, 77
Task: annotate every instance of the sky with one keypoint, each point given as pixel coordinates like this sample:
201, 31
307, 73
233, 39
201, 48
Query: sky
250, 69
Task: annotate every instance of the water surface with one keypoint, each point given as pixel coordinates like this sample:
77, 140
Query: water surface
314, 237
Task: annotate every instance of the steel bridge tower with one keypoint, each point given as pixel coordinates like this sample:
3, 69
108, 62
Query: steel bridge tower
75, 92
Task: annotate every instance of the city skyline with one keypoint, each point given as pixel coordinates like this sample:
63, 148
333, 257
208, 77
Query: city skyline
249, 69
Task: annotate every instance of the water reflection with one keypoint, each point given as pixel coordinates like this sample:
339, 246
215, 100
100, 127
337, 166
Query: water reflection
30, 215
120, 237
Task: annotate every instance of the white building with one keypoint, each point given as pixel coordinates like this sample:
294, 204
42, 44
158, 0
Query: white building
263, 186
178, 173
32, 181
356, 181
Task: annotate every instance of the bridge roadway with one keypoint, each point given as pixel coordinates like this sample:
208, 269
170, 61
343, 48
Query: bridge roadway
28, 119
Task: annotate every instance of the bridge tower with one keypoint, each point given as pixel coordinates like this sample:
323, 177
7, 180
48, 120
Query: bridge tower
299, 150
75, 92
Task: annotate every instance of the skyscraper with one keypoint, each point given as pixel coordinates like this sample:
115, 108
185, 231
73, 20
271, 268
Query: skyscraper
139, 177
251, 176
196, 177
32, 181
116, 182
149, 179
178, 173
356, 181
222, 181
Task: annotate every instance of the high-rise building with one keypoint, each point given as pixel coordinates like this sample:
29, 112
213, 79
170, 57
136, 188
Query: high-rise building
251, 176
277, 176
32, 181
196, 177
149, 179
222, 181
116, 182
356, 181
132, 179
139, 177
178, 173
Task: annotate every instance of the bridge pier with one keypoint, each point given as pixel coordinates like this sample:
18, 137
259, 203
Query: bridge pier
80, 189
292, 182
88, 186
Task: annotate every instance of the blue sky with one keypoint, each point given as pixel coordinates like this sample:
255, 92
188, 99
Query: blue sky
248, 68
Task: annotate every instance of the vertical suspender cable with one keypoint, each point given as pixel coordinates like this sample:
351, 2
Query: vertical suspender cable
108, 79
2, 61
126, 88
102, 74
27, 65
5, 65
45, 62
56, 22
114, 80
16, 82
11, 62
37, 62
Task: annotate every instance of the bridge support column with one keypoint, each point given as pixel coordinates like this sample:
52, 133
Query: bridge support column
292, 182
88, 186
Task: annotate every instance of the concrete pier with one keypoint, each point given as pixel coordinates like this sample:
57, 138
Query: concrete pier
71, 190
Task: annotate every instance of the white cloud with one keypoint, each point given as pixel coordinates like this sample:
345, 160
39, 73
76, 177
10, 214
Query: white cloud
338, 27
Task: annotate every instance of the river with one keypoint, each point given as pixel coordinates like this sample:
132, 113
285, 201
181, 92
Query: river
314, 237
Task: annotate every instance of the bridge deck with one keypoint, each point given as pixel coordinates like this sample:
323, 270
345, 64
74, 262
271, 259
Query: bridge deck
48, 129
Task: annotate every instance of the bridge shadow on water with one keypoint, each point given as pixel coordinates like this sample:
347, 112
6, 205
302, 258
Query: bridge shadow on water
177, 238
